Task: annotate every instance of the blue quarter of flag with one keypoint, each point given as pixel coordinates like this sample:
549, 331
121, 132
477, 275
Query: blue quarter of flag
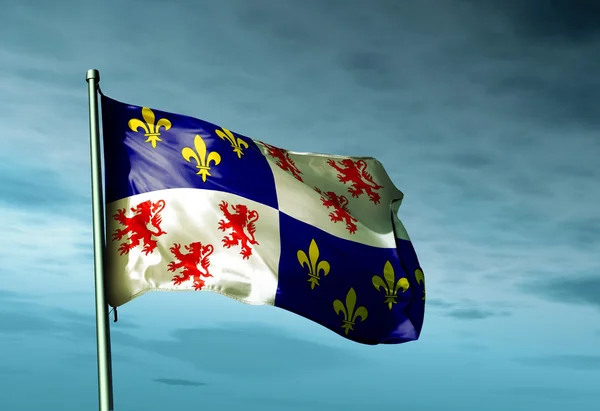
133, 166
351, 266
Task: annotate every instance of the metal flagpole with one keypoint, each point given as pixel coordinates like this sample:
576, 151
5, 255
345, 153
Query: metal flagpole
102, 326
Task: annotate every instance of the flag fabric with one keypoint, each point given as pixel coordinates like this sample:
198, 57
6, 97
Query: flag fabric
191, 206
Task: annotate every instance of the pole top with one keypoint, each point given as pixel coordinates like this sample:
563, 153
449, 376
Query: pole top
92, 74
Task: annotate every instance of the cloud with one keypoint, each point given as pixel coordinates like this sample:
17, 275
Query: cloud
22, 313
179, 382
372, 69
578, 362
574, 290
583, 232
26, 323
437, 303
575, 21
474, 314
245, 349
45, 246
530, 47
39, 189
471, 159
469, 310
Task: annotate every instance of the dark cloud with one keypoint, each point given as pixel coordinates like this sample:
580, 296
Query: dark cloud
434, 302
468, 310
464, 190
573, 170
566, 95
472, 159
474, 313
179, 382
583, 232
527, 187
535, 59
278, 23
575, 290
577, 362
552, 20
372, 69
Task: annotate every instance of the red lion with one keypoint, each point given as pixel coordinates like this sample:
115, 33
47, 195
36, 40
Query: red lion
137, 226
340, 210
236, 222
197, 255
356, 173
284, 161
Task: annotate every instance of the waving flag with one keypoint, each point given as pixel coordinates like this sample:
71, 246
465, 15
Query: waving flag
192, 206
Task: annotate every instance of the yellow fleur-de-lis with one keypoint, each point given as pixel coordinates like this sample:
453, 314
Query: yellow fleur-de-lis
350, 314
315, 267
151, 129
200, 155
391, 290
420, 279
236, 142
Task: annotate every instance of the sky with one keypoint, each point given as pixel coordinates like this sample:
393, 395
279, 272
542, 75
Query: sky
485, 114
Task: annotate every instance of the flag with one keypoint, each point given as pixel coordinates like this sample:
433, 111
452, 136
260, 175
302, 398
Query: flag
192, 206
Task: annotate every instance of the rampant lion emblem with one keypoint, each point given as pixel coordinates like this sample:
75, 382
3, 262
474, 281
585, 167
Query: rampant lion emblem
195, 263
137, 226
241, 219
340, 209
284, 161
356, 173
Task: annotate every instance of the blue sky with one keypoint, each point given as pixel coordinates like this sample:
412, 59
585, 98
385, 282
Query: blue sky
485, 114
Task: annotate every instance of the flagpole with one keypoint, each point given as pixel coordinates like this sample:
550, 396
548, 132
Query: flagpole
105, 399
